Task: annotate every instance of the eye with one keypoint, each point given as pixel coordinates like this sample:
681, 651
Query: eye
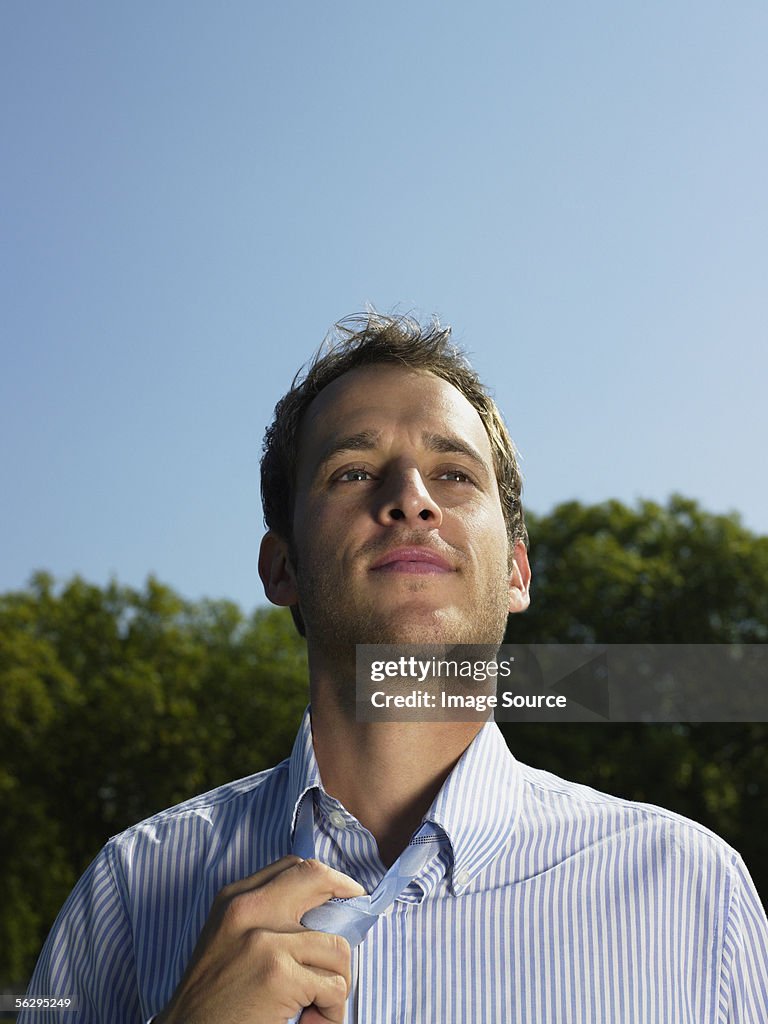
353, 475
456, 475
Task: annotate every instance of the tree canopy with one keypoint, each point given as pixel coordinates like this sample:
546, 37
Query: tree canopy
115, 703
653, 574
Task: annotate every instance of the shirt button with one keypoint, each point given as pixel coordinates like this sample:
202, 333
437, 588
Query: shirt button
462, 878
337, 819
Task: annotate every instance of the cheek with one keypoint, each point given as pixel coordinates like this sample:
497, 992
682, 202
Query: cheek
319, 530
486, 533
481, 521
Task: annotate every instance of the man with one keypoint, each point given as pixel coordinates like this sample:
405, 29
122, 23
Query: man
392, 497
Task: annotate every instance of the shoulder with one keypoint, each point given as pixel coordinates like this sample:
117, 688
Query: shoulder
653, 834
256, 802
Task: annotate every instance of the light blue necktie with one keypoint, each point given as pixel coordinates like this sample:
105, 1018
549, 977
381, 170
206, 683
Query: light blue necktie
354, 918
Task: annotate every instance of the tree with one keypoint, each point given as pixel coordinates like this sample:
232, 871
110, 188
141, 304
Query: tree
115, 704
654, 574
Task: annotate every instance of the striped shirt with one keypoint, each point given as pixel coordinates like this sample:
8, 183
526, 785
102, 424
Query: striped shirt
551, 904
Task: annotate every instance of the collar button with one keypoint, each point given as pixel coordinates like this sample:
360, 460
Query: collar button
462, 878
337, 819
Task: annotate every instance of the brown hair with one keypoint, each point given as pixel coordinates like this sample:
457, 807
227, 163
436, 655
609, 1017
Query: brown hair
366, 339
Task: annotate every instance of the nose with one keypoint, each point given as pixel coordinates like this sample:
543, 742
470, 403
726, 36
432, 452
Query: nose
406, 500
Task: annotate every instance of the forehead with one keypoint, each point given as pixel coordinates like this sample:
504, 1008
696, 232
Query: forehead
393, 400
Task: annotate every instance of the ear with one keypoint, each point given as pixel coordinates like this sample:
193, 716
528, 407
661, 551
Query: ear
519, 580
276, 572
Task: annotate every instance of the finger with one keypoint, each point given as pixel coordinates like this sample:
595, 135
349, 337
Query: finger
325, 997
322, 951
292, 892
326, 1001
314, 1016
261, 877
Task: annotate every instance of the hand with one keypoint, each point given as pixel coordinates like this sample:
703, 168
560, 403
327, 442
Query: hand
254, 963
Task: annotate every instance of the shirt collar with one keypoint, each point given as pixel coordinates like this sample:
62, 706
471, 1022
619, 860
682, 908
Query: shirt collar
476, 807
303, 772
478, 804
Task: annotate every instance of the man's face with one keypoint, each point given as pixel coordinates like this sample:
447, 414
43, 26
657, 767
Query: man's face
398, 527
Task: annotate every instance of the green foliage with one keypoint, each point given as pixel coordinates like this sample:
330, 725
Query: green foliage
654, 574
673, 574
116, 703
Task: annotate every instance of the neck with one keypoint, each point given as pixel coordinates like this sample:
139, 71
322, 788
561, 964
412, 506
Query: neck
385, 773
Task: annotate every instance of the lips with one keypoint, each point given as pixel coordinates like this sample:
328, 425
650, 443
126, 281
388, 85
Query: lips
419, 561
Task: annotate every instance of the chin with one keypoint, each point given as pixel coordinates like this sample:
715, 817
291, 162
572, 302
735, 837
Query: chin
432, 627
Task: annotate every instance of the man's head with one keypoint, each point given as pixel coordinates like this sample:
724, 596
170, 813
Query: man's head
411, 400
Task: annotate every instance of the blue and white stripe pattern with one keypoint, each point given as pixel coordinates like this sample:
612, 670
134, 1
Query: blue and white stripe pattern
353, 918
551, 904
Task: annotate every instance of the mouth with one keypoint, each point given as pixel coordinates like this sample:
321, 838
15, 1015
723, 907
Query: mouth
415, 561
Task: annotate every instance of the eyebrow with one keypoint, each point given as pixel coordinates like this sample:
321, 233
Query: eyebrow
363, 441
368, 440
449, 444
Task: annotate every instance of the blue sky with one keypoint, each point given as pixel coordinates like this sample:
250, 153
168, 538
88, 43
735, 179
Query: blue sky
192, 193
